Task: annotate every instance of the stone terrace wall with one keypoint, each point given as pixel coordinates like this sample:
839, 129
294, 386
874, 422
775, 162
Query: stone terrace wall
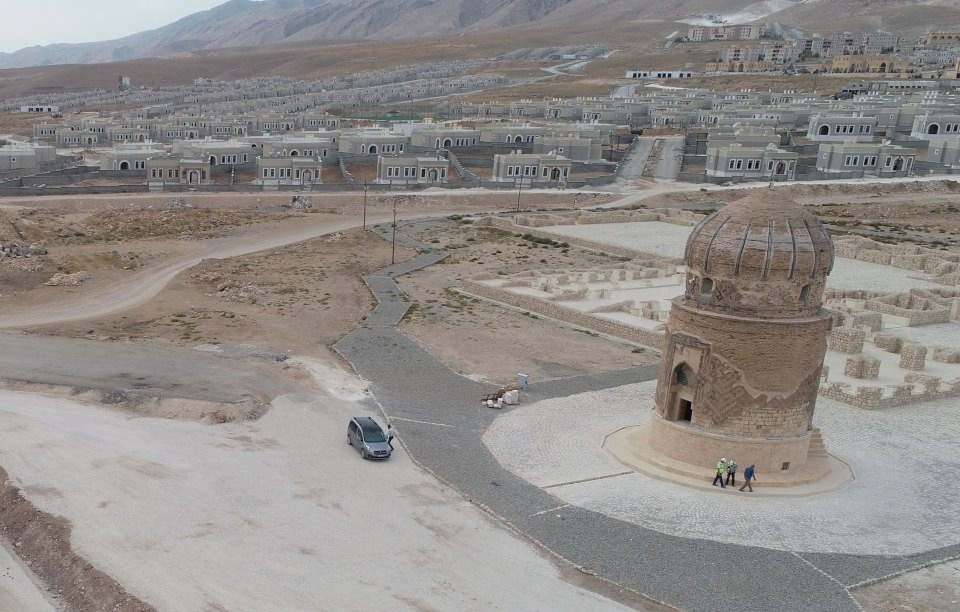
556, 311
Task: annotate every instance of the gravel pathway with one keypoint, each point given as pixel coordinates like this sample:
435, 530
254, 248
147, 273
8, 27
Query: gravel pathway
440, 420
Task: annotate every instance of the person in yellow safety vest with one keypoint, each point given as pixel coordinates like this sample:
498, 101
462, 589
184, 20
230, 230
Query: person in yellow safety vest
721, 468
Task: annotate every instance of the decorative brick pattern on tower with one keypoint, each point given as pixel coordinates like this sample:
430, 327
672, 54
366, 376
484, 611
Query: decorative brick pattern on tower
744, 348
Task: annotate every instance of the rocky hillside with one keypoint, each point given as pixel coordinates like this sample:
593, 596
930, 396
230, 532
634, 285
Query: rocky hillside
249, 23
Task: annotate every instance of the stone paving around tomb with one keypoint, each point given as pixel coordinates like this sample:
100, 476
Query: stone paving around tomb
897, 504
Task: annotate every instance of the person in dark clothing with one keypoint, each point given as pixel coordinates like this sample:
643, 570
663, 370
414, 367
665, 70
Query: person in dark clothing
391, 433
732, 473
749, 475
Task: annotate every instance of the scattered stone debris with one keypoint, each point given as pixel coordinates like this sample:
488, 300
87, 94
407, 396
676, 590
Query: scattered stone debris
67, 280
70, 232
14, 249
177, 203
301, 202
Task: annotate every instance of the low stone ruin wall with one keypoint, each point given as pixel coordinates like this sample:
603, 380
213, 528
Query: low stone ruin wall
917, 310
565, 314
916, 388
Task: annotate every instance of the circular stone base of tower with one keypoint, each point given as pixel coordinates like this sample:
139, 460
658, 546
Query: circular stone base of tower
683, 442
631, 446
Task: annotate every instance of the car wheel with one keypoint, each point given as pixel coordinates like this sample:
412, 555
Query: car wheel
349, 441
363, 453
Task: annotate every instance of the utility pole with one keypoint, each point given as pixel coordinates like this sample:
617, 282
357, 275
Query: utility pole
365, 188
393, 250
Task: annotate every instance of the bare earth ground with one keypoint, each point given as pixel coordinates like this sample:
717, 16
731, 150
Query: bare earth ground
298, 299
929, 590
485, 341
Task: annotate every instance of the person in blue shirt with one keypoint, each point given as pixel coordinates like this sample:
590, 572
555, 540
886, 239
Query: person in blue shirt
749, 475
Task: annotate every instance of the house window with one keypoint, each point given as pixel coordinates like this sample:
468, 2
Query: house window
733, 164
770, 165
266, 172
889, 160
739, 164
423, 173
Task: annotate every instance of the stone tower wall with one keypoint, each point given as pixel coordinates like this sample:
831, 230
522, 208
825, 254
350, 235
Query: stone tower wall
760, 378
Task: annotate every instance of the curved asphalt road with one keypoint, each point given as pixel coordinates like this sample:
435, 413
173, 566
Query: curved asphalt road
441, 422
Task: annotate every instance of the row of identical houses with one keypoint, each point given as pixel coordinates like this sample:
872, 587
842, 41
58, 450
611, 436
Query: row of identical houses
730, 135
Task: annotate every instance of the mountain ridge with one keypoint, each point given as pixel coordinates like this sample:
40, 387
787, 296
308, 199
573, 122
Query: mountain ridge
248, 23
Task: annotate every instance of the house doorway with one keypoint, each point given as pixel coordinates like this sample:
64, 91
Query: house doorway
686, 411
193, 177
555, 174
434, 175
124, 165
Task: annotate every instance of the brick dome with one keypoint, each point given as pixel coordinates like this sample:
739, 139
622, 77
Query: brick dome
763, 253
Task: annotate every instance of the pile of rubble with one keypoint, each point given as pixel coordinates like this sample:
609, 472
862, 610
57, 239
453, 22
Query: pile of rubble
301, 202
67, 280
176, 203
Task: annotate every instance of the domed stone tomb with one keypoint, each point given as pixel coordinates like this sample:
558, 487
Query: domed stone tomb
745, 342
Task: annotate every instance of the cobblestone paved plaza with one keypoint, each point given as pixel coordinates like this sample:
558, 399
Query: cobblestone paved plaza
898, 504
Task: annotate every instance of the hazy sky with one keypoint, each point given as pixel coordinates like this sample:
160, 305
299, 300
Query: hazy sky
71, 21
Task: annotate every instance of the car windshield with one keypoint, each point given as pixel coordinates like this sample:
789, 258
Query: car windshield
374, 435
